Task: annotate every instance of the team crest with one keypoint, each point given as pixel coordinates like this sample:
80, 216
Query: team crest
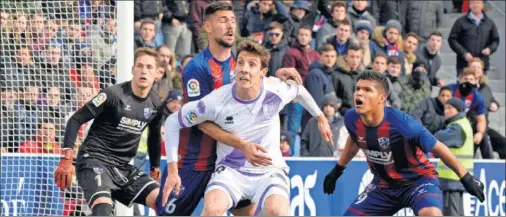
384, 142
147, 112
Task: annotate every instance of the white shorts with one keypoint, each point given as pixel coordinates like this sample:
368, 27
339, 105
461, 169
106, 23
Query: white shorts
241, 185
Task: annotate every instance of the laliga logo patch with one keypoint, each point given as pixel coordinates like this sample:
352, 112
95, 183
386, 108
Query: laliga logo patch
193, 88
191, 117
98, 100
384, 143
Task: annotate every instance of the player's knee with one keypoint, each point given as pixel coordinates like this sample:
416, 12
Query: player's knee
101, 209
100, 200
215, 203
276, 205
430, 211
212, 210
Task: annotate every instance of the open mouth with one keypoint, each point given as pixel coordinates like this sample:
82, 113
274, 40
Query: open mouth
243, 79
358, 102
143, 79
230, 34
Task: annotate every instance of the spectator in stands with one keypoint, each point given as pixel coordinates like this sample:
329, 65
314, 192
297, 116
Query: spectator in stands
37, 30
256, 19
430, 111
466, 90
73, 41
185, 60
474, 35
300, 15
25, 66
299, 56
44, 141
4, 17
9, 122
422, 18
104, 40
491, 105
146, 35
277, 45
388, 40
343, 37
312, 142
319, 79
286, 144
20, 33
27, 110
195, 20
358, 11
363, 31
169, 73
154, 11
339, 13
380, 66
430, 53
107, 74
85, 93
349, 67
85, 73
415, 87
409, 48
176, 34
394, 65
385, 10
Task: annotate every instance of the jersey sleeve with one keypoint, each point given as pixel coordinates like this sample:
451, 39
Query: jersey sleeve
415, 133
196, 112
480, 104
287, 90
195, 81
105, 99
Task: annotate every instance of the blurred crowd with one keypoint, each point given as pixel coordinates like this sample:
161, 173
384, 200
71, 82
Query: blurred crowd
57, 55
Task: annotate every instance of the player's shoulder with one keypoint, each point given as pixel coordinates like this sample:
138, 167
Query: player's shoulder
274, 83
197, 64
401, 120
157, 101
351, 117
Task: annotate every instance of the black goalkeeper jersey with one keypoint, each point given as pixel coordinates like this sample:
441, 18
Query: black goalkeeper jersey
120, 118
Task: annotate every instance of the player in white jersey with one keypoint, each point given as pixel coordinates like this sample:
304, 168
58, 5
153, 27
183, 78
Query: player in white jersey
249, 108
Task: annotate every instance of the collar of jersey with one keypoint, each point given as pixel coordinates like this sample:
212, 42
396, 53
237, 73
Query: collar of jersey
234, 94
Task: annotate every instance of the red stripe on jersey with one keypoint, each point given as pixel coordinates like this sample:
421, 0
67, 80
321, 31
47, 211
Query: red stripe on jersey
206, 148
468, 98
357, 211
418, 163
428, 168
184, 143
361, 135
384, 132
217, 73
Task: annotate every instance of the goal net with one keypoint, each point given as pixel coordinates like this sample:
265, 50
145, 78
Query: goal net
54, 56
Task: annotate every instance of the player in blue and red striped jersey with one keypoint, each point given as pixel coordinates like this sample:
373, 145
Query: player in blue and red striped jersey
207, 71
395, 145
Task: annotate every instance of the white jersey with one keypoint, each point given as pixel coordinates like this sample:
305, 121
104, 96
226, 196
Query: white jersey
255, 120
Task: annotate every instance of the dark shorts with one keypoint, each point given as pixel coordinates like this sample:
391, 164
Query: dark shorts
193, 187
126, 184
387, 201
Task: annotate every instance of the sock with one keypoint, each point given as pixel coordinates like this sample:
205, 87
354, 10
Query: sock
102, 209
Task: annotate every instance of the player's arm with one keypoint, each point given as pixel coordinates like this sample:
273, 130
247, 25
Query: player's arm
481, 125
154, 147
65, 170
252, 152
350, 150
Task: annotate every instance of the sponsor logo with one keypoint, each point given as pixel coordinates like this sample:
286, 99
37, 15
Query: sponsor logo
99, 100
127, 108
191, 117
193, 88
379, 157
303, 201
131, 125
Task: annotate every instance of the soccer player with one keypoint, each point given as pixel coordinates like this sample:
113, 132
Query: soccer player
121, 113
207, 71
394, 144
249, 108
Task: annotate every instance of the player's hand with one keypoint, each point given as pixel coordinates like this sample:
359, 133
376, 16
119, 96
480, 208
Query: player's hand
256, 154
324, 127
473, 186
172, 182
329, 184
289, 73
155, 174
65, 170
477, 138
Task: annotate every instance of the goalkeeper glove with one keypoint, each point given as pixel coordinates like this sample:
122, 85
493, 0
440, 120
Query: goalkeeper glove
65, 170
473, 186
329, 185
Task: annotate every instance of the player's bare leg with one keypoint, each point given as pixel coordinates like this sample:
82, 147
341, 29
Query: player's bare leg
151, 198
430, 211
276, 205
216, 203
245, 211
102, 206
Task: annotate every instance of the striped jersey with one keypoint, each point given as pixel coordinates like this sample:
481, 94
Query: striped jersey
395, 149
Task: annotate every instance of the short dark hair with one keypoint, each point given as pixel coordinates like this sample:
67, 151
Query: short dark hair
255, 48
147, 51
148, 21
394, 60
216, 6
380, 54
378, 77
327, 48
307, 27
338, 5
414, 35
345, 22
448, 88
353, 47
436, 33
